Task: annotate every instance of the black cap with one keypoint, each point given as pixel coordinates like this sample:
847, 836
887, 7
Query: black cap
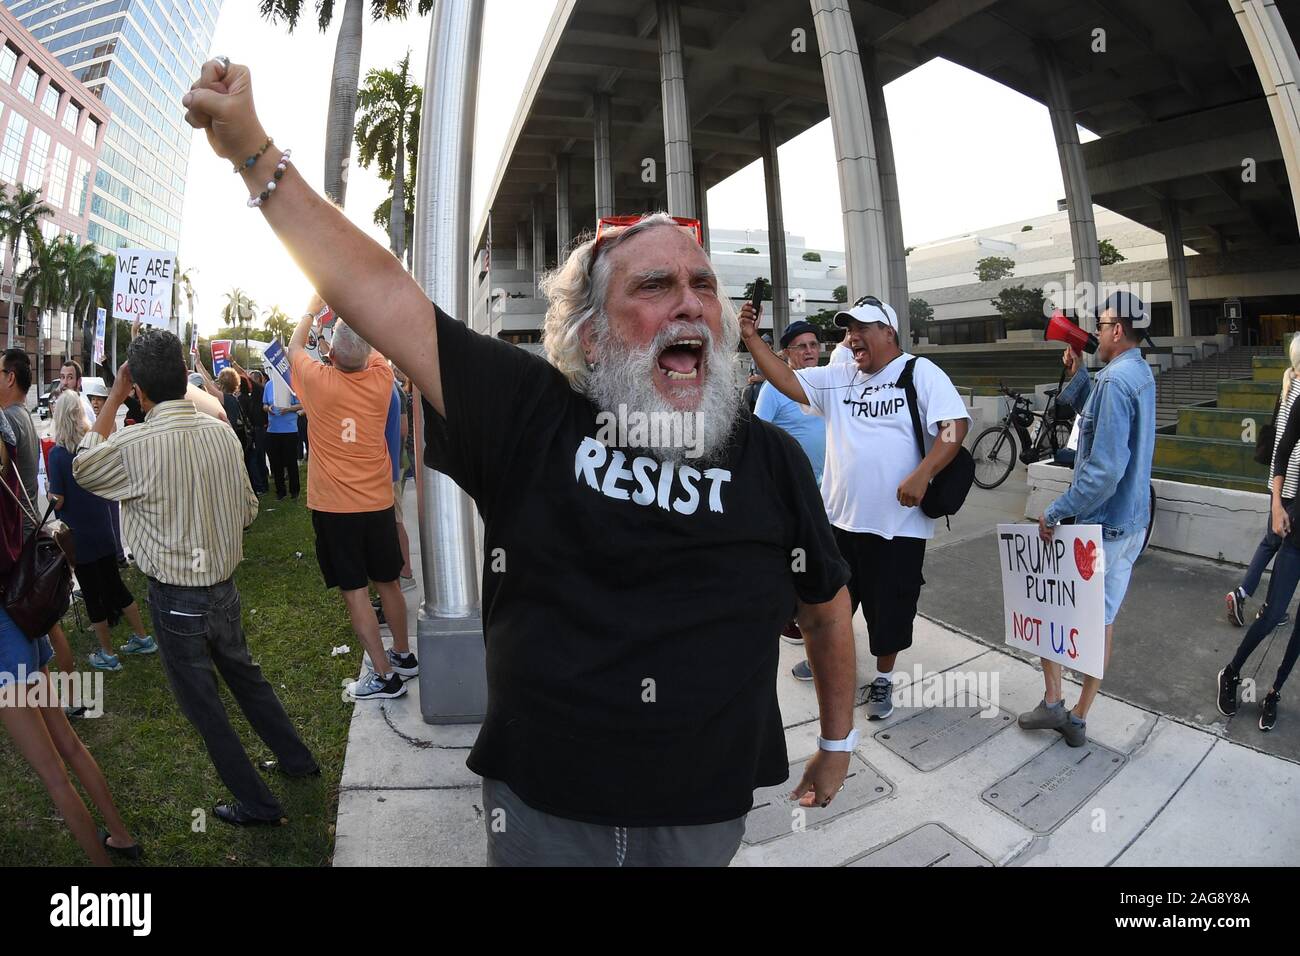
795, 329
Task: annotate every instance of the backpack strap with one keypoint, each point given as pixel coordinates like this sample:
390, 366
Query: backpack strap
905, 380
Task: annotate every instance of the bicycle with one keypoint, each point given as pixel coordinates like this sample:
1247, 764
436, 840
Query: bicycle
995, 451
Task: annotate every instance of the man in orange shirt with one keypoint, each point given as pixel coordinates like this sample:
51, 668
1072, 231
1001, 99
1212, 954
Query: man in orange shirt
350, 494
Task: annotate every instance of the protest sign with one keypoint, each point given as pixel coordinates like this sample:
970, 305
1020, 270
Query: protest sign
220, 355
277, 362
1053, 594
142, 286
101, 317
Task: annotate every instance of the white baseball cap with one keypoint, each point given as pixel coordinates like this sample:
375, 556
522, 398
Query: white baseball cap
868, 309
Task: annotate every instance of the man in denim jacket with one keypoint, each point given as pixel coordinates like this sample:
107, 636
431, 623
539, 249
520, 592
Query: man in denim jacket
1112, 476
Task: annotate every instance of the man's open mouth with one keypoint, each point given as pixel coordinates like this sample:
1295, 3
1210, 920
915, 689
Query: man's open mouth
681, 360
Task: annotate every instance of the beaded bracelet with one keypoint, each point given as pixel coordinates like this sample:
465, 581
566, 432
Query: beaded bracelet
265, 194
252, 160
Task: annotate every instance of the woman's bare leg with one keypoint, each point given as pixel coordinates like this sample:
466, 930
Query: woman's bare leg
27, 728
82, 762
132, 614
62, 649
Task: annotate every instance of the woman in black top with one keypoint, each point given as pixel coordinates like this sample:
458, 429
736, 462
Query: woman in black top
1285, 484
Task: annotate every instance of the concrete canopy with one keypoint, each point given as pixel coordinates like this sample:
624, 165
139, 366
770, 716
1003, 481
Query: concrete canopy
1169, 86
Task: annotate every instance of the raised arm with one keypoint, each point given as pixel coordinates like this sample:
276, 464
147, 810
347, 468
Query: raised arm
769, 363
361, 279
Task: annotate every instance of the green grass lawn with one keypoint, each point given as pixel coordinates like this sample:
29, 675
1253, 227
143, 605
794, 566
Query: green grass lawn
156, 764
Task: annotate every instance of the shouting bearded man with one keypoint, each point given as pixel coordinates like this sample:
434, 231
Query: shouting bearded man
649, 564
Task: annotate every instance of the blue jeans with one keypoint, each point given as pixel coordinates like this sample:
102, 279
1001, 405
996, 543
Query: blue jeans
1286, 574
1263, 555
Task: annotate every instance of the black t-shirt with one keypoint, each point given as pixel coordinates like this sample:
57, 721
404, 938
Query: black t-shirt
631, 609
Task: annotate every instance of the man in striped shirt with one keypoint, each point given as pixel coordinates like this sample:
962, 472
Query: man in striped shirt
186, 500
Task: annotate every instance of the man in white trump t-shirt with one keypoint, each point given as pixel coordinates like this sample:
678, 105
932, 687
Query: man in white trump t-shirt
875, 475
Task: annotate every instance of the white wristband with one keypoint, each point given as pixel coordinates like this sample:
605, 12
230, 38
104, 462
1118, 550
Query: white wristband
839, 746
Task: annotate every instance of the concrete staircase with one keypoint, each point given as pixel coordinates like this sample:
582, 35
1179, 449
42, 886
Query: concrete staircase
1214, 444
1197, 382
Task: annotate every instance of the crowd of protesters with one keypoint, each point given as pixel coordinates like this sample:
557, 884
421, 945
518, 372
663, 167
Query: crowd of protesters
618, 559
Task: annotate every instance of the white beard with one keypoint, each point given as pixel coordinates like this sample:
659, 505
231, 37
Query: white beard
624, 377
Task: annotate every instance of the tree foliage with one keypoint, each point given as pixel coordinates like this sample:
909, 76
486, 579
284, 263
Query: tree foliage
1021, 308
992, 268
1109, 254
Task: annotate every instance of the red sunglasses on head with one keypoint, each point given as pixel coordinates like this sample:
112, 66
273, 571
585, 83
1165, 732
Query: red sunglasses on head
605, 223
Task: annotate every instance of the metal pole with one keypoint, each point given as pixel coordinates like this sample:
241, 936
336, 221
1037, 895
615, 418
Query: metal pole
449, 628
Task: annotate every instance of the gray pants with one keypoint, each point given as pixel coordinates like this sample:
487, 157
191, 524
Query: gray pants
518, 835
197, 628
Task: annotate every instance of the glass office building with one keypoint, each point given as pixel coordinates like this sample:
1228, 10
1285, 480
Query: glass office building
139, 57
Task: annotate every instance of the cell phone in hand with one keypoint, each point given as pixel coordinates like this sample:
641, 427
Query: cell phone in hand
757, 300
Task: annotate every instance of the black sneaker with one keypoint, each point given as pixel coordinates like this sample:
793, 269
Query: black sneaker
1227, 691
1236, 601
404, 665
1268, 711
379, 611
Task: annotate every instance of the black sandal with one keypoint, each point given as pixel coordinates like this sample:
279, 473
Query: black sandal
132, 852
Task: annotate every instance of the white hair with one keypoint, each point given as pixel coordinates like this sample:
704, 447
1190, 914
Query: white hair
576, 292
348, 351
70, 424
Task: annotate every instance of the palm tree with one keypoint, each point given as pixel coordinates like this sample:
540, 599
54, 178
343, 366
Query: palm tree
44, 289
80, 265
239, 310
390, 106
279, 324
20, 218
342, 114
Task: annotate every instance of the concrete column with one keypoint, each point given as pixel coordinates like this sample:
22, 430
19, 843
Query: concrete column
1074, 174
679, 175
563, 216
604, 162
1177, 268
861, 203
775, 228
1274, 52
521, 246
42, 85
449, 628
702, 206
896, 251
539, 240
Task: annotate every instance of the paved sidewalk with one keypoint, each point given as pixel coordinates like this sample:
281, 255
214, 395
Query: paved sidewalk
931, 785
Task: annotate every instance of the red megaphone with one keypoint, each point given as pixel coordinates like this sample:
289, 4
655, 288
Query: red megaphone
1061, 329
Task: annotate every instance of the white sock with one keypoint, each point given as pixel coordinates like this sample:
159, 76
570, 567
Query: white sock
887, 675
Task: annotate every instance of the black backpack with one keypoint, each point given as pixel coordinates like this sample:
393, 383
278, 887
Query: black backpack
948, 490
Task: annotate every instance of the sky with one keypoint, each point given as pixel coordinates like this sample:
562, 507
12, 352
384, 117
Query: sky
970, 153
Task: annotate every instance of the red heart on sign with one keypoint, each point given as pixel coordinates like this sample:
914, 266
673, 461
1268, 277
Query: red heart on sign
1085, 559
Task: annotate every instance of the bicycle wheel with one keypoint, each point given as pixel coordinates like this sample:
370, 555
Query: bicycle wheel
994, 452
1151, 520
1060, 434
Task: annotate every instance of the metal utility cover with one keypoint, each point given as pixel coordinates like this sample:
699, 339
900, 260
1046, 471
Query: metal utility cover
931, 844
773, 815
937, 735
1042, 793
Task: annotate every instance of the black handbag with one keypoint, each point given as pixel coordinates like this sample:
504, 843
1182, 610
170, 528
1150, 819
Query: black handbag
949, 488
38, 591
1266, 436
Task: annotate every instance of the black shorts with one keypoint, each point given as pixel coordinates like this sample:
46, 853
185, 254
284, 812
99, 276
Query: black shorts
102, 590
885, 579
353, 549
